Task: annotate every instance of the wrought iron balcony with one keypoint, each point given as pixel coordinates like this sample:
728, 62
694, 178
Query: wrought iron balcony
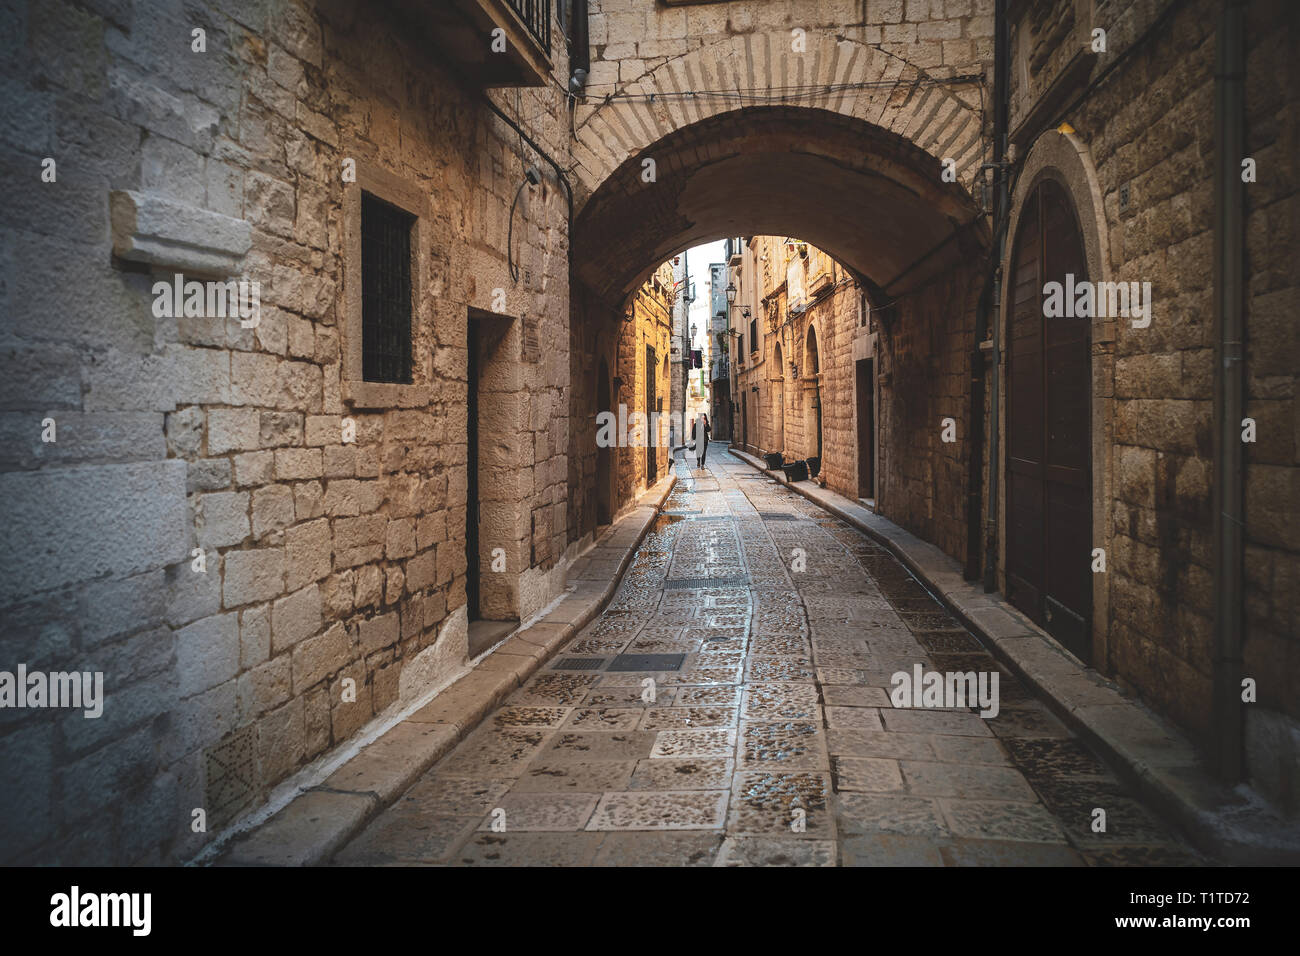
536, 15
496, 42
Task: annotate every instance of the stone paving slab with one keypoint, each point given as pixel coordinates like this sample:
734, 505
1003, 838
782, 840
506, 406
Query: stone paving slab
312, 827
776, 742
1152, 754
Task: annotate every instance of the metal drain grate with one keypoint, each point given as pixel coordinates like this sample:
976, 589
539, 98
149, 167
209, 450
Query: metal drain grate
684, 512
578, 664
647, 662
780, 516
693, 584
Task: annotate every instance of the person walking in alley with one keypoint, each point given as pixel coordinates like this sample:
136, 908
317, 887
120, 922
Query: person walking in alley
702, 432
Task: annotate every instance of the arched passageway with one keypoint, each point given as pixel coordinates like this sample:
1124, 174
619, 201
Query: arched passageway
875, 199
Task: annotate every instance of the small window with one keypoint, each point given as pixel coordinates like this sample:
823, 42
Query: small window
740, 345
385, 291
753, 335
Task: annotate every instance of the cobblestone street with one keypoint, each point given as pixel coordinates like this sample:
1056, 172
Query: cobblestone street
767, 736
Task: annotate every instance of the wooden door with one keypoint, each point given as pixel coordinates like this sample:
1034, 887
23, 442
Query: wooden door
652, 446
1049, 495
866, 430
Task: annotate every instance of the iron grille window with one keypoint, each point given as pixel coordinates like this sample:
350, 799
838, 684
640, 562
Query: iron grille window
385, 291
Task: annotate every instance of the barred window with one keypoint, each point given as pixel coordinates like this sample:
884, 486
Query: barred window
385, 291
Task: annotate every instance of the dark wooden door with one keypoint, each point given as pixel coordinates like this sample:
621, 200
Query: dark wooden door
652, 446
1049, 495
866, 431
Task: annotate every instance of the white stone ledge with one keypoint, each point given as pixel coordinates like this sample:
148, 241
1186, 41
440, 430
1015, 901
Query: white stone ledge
384, 395
174, 235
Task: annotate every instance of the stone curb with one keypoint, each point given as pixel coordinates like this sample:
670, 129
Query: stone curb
322, 819
1230, 823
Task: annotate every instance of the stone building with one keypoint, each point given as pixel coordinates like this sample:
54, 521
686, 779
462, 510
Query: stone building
266, 533
799, 359
718, 358
643, 368
268, 529
1112, 154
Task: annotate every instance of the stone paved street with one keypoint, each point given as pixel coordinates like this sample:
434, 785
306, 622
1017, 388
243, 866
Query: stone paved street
769, 738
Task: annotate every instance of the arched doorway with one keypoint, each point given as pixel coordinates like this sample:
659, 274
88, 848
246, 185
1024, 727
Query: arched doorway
812, 363
1049, 377
604, 455
778, 402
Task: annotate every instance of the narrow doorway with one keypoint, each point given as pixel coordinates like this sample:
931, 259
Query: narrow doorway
866, 431
1049, 497
491, 558
652, 442
473, 561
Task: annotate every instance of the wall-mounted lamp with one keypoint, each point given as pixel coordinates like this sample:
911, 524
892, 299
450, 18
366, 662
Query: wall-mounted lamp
731, 293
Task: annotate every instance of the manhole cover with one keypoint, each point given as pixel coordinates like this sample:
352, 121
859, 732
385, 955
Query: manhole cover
578, 664
647, 662
691, 584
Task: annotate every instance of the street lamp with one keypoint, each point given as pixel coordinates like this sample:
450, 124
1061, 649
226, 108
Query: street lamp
731, 293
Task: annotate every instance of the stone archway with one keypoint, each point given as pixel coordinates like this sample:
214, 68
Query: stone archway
780, 170
856, 170
938, 109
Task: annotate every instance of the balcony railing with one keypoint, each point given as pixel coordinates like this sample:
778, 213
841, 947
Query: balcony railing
536, 15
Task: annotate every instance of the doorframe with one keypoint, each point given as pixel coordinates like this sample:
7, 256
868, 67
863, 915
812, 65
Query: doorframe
501, 523
1063, 157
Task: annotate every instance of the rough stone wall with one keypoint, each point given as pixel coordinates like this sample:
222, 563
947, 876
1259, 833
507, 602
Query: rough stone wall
1150, 132
923, 357
650, 325
1272, 648
923, 354
589, 341
325, 562
595, 334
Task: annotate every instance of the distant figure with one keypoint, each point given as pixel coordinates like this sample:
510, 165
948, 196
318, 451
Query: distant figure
702, 432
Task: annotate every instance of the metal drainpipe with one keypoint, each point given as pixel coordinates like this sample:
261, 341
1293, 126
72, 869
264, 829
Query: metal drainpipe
580, 55
1229, 390
1001, 55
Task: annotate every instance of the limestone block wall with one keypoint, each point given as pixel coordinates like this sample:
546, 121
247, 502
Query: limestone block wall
330, 567
1149, 134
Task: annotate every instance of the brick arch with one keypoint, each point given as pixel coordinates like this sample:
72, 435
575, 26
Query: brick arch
870, 196
840, 75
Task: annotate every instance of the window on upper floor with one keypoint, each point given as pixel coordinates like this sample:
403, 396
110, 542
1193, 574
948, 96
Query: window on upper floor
385, 291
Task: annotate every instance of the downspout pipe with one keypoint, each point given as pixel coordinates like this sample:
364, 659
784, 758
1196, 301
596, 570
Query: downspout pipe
1001, 211
1229, 389
580, 53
